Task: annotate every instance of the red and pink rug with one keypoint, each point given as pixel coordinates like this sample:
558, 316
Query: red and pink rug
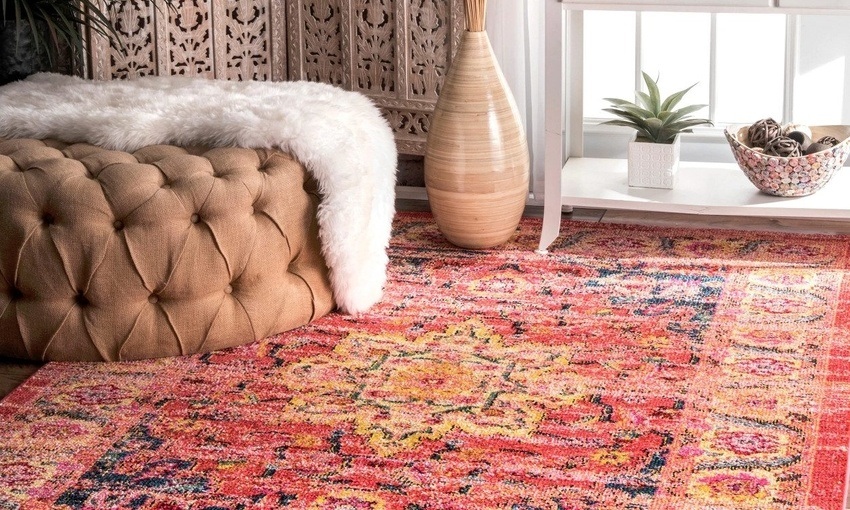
631, 367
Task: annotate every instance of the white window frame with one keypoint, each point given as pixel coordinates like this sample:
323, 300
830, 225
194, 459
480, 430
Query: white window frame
563, 78
792, 45
707, 136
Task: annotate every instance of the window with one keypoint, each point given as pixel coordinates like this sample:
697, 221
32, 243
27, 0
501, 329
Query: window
737, 61
747, 66
592, 55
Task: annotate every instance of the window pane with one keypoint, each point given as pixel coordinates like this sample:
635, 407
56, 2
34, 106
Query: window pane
609, 59
750, 67
821, 94
676, 49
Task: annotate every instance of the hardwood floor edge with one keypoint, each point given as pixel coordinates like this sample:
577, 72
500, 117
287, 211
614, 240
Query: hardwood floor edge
13, 373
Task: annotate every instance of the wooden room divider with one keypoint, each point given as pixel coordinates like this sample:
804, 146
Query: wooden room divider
395, 51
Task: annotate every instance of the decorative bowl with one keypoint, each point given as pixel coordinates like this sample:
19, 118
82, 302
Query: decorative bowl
795, 176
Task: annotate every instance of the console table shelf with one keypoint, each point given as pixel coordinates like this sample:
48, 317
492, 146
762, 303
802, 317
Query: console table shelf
703, 188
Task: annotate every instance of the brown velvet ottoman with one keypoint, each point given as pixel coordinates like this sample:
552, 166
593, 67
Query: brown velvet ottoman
109, 255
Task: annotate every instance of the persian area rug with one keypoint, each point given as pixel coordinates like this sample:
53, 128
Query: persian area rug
630, 368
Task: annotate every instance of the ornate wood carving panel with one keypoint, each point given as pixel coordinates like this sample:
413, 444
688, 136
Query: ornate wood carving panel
373, 49
315, 41
395, 51
430, 39
242, 39
189, 41
244, 46
430, 43
132, 20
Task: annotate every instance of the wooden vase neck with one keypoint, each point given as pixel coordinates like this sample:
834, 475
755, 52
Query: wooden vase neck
475, 16
476, 81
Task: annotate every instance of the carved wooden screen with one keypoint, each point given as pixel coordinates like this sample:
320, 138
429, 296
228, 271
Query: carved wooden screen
243, 39
395, 51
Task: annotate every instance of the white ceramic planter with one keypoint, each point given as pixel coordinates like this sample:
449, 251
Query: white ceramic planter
654, 165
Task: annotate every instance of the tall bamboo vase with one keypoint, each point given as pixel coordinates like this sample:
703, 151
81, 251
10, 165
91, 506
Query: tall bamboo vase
476, 157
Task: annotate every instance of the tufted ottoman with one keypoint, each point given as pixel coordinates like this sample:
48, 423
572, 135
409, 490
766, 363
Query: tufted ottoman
110, 255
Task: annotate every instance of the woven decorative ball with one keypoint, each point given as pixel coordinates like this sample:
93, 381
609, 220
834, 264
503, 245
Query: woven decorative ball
791, 127
783, 147
829, 140
802, 138
763, 131
816, 147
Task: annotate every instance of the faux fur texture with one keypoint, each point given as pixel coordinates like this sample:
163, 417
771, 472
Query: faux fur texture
338, 135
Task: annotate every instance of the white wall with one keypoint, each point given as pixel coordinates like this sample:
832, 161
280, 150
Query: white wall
515, 28
822, 88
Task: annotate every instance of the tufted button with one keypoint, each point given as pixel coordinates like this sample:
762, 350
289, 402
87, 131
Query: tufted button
15, 293
153, 299
195, 218
166, 186
253, 210
228, 289
118, 224
81, 299
47, 219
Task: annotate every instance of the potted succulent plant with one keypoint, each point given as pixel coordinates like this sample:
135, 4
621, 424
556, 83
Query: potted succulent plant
654, 152
46, 35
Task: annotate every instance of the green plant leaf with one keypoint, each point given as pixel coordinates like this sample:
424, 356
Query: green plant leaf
65, 31
682, 125
654, 94
654, 125
633, 110
57, 24
618, 102
653, 119
624, 123
681, 113
644, 99
32, 20
642, 132
674, 99
636, 121
100, 22
627, 117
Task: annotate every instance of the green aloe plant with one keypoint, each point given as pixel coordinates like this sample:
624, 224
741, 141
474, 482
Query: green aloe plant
655, 119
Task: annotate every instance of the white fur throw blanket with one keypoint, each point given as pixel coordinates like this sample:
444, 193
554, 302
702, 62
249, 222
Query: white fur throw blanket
338, 135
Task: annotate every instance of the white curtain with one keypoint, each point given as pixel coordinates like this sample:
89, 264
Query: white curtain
516, 29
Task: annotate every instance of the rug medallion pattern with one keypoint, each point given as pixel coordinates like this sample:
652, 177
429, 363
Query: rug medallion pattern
632, 367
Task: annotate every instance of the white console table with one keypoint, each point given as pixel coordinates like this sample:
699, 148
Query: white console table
716, 189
